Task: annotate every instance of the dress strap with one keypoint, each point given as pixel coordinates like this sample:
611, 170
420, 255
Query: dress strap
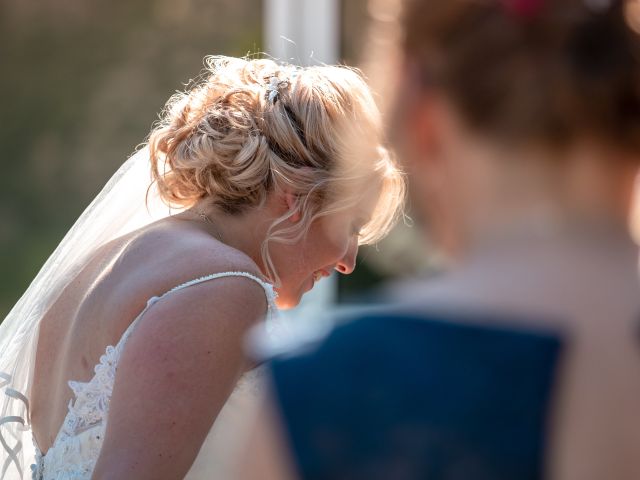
268, 290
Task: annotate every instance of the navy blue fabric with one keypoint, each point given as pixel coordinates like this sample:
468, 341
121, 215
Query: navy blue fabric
401, 397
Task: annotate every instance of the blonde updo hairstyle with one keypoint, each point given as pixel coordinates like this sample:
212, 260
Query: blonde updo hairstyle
252, 127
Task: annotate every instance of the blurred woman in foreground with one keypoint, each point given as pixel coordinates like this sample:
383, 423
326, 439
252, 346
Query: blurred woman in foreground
519, 122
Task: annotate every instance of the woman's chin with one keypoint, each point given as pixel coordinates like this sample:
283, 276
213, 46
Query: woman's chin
286, 305
289, 300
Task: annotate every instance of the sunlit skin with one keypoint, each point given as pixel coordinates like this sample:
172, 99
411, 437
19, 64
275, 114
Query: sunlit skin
331, 244
214, 318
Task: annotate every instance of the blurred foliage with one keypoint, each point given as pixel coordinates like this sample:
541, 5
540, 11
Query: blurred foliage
355, 20
82, 82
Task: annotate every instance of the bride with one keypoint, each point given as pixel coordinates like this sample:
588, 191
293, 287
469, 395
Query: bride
247, 193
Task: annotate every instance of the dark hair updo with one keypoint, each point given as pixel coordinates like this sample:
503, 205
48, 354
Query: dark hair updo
533, 70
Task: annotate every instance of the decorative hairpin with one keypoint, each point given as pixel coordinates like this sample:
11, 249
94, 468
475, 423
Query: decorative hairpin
273, 88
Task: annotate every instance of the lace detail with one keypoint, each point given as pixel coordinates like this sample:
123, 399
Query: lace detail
38, 467
77, 446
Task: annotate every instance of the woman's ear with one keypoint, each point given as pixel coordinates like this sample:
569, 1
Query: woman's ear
424, 129
424, 132
415, 121
292, 205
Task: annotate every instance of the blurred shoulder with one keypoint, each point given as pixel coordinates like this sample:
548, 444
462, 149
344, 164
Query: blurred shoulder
424, 381
387, 334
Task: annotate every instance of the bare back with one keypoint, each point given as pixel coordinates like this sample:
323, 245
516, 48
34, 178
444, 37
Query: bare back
108, 293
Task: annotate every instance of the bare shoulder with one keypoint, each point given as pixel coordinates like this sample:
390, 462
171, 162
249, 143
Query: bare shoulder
200, 251
219, 306
177, 370
236, 300
172, 255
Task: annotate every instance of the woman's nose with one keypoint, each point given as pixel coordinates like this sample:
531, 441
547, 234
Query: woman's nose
347, 264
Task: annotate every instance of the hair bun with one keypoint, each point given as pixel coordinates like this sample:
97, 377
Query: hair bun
573, 72
253, 126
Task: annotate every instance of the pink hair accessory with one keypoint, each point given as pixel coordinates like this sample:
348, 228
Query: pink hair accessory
525, 9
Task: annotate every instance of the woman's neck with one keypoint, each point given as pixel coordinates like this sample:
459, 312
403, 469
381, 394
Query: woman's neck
580, 190
244, 232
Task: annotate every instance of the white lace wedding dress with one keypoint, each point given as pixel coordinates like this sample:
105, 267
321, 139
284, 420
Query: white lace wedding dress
76, 448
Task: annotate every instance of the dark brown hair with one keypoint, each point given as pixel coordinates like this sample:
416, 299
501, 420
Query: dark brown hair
542, 71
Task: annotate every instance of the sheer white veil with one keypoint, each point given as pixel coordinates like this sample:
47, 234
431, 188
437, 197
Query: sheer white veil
125, 204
